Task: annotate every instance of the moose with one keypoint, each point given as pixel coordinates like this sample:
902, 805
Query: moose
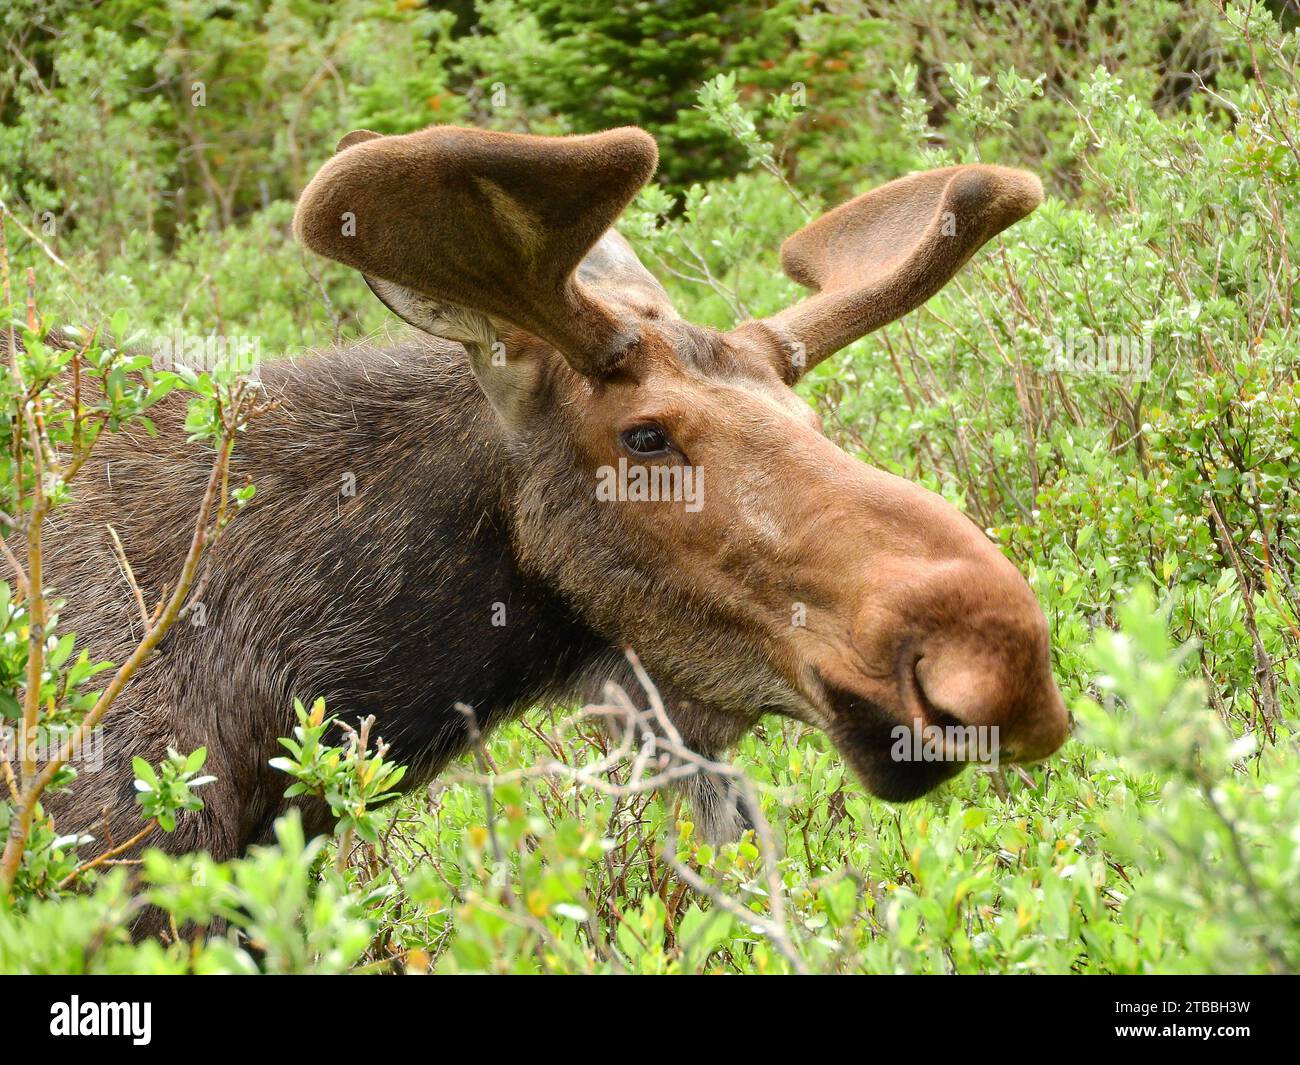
474, 563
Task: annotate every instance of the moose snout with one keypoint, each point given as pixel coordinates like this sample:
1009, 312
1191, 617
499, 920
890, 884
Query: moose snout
967, 678
991, 670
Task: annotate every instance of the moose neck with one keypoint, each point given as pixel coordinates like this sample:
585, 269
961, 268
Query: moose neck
374, 568
407, 482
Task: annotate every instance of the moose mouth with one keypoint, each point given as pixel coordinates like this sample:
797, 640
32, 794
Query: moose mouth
867, 736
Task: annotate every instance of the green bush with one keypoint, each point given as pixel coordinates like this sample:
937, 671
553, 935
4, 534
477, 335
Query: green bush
1153, 507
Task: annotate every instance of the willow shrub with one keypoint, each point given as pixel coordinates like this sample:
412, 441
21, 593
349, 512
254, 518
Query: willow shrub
1110, 390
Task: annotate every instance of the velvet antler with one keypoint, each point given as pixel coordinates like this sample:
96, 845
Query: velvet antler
491, 223
875, 258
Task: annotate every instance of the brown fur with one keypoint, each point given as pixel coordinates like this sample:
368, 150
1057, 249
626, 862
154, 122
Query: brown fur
475, 486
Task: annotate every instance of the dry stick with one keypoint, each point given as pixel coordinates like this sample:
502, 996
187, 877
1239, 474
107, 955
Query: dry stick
35, 618
1263, 664
20, 825
769, 927
108, 855
359, 742
7, 292
688, 763
130, 577
762, 830
484, 760
510, 910
335, 317
77, 356
6, 213
1022, 394
20, 576
705, 277
10, 781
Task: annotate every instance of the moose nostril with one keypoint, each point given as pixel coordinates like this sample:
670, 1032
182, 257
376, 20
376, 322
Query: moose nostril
931, 712
992, 680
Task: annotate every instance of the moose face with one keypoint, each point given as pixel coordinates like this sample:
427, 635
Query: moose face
671, 484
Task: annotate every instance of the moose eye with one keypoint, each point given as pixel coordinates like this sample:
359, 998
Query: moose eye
645, 440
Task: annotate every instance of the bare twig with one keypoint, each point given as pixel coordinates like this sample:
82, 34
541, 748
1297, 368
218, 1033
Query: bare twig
35, 786
6, 213
108, 855
130, 577
655, 755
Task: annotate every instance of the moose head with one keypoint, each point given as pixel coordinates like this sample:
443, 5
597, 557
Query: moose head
793, 579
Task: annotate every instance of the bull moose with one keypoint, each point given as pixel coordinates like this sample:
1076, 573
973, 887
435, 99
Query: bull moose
475, 562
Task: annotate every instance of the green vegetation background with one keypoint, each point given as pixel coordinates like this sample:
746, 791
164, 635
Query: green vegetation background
156, 148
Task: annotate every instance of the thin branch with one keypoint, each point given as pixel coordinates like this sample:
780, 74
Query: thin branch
5, 212
659, 757
20, 825
130, 577
108, 855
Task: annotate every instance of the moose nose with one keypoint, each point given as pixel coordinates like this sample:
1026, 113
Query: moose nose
1045, 729
994, 673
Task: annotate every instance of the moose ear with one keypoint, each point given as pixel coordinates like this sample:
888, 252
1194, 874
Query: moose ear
474, 330
493, 224
355, 137
875, 258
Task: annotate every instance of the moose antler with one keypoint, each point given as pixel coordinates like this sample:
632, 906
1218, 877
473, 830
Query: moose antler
875, 258
493, 223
